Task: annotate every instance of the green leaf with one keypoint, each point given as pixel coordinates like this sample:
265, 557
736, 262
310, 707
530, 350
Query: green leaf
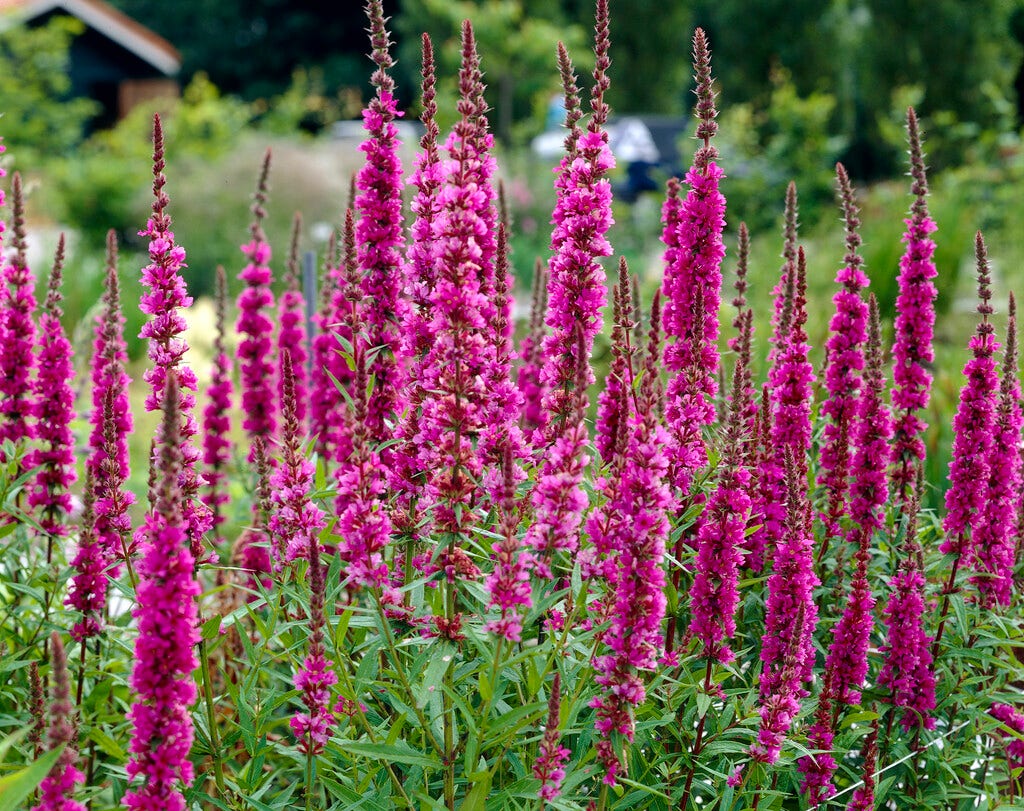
211, 628
394, 753
16, 787
107, 744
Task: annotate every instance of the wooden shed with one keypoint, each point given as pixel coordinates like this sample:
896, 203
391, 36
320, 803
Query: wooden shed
117, 61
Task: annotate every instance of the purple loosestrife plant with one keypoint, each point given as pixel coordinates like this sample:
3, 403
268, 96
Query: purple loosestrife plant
163, 302
508, 584
379, 236
576, 286
108, 375
692, 286
907, 670
88, 593
291, 336
1014, 720
54, 408
635, 638
994, 542
845, 353
18, 336
782, 293
791, 614
714, 596
295, 520
915, 322
819, 768
549, 767
255, 328
167, 619
216, 415
314, 679
324, 402
613, 401
864, 795
56, 792
847, 661
973, 428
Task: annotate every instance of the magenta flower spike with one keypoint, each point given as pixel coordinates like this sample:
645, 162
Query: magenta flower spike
915, 323
167, 619
576, 286
1014, 720
613, 403
508, 584
907, 670
324, 402
994, 541
18, 334
767, 508
216, 415
379, 236
782, 293
635, 637
88, 592
295, 520
864, 795
819, 768
364, 524
845, 353
780, 706
714, 596
793, 376
56, 792
54, 408
108, 373
165, 298
291, 336
847, 659
791, 613
973, 428
549, 767
255, 328
693, 285
314, 679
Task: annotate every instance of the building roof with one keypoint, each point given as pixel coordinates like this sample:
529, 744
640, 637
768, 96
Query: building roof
101, 16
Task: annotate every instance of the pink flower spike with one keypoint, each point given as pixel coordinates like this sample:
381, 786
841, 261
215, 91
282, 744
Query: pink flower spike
167, 618
56, 792
17, 334
379, 236
915, 324
255, 329
54, 408
163, 302
291, 336
216, 416
549, 767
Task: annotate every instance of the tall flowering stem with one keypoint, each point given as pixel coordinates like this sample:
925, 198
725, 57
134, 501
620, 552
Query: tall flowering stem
56, 792
509, 581
530, 354
17, 333
635, 637
819, 768
255, 327
108, 459
582, 217
167, 619
88, 593
693, 284
163, 302
864, 795
291, 336
324, 402
613, 403
907, 666
973, 427
915, 323
549, 767
55, 405
994, 542
845, 353
379, 234
295, 520
216, 415
847, 658
782, 293
312, 728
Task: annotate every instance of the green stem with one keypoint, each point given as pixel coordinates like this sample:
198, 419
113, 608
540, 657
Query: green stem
697, 743
211, 718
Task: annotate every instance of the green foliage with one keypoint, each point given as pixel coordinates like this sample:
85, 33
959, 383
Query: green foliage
39, 118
